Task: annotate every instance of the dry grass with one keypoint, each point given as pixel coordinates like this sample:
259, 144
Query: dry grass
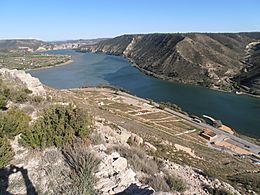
138, 159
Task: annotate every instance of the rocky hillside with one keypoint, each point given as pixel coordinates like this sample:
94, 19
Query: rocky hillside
74, 44
209, 59
103, 141
250, 74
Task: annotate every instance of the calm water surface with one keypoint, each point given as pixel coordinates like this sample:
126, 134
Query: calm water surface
88, 69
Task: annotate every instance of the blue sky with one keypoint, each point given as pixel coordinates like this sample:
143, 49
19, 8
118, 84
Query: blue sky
74, 19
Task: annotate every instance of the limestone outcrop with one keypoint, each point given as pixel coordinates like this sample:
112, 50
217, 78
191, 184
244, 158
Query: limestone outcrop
24, 79
114, 176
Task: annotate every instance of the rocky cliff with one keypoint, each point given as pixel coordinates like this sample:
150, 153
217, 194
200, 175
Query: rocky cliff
209, 59
250, 74
24, 79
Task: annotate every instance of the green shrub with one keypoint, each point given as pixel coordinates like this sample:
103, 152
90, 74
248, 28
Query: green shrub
27, 91
20, 96
37, 99
6, 92
82, 164
3, 102
4, 95
57, 126
13, 122
6, 152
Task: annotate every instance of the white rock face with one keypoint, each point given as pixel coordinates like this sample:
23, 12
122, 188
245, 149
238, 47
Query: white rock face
119, 164
114, 176
194, 179
26, 80
45, 170
113, 136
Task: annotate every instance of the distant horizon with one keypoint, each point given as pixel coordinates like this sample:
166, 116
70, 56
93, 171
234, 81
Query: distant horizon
71, 39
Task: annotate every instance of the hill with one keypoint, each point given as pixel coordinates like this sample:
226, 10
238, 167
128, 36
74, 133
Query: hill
105, 141
31, 44
38, 45
208, 59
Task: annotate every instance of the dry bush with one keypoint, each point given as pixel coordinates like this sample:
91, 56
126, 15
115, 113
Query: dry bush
138, 159
82, 164
96, 138
174, 183
158, 183
166, 183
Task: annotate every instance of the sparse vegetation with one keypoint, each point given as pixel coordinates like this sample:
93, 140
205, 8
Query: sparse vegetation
175, 183
249, 181
3, 102
158, 183
216, 191
96, 138
165, 183
138, 160
14, 94
21, 59
57, 126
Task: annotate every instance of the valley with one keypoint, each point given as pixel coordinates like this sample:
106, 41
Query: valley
208, 59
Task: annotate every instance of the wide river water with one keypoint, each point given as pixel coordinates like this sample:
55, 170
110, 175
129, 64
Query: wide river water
88, 69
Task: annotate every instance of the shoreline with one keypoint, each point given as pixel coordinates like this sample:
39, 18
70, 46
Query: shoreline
165, 78
52, 66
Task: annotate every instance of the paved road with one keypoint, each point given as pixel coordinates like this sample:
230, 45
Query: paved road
242, 143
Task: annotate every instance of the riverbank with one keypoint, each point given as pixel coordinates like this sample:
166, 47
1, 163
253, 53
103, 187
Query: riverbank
52, 66
170, 79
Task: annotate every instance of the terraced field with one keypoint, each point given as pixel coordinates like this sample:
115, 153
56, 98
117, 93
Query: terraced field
162, 129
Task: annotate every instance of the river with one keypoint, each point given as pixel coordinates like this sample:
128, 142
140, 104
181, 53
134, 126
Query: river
89, 69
